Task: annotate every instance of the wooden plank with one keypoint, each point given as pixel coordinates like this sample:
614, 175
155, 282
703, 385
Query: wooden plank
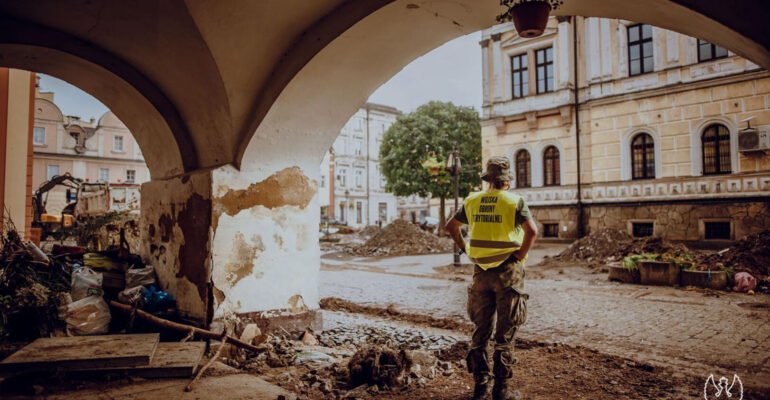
81, 352
171, 360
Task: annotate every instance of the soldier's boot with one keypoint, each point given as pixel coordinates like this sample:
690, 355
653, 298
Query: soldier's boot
481, 387
501, 391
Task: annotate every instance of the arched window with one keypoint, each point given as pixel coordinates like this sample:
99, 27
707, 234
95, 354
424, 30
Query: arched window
643, 157
523, 171
715, 143
551, 167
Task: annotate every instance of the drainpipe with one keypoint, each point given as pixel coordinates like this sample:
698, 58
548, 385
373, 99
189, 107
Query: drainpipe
580, 218
368, 189
331, 211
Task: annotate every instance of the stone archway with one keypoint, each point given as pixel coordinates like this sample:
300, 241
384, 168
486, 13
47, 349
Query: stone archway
236, 115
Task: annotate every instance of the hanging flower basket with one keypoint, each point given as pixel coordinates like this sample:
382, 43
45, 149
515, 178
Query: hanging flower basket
433, 165
530, 17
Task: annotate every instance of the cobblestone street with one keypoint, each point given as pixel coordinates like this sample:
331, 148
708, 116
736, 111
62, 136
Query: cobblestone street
684, 329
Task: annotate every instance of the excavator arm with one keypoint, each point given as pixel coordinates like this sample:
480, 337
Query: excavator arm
38, 203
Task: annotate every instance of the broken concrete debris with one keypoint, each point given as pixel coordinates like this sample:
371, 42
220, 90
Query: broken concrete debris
353, 361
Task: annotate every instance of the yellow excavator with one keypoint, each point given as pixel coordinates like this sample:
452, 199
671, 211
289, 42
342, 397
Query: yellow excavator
60, 226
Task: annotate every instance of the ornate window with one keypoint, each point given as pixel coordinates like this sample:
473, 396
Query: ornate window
715, 145
709, 51
519, 76
551, 166
544, 72
643, 157
523, 170
640, 54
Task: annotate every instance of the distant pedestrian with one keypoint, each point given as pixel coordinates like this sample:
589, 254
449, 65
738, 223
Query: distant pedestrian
501, 231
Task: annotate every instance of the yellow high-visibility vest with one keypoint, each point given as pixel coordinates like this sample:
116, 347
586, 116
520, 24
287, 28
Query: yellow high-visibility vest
494, 235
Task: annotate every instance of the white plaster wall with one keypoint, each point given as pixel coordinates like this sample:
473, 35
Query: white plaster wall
288, 263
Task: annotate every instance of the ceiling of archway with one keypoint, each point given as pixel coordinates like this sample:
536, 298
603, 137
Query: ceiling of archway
213, 69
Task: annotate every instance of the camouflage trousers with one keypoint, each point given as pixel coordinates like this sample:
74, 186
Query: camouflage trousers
498, 291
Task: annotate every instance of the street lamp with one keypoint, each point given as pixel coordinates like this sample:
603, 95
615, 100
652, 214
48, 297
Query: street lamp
347, 203
454, 168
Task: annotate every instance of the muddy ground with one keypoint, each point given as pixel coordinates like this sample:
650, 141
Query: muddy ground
542, 371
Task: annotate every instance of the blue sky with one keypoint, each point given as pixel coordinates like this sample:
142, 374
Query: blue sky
451, 72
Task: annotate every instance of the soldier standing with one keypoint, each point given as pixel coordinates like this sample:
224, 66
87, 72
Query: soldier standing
501, 231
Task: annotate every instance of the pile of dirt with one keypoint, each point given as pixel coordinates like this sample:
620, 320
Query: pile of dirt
369, 231
402, 238
609, 245
750, 254
377, 365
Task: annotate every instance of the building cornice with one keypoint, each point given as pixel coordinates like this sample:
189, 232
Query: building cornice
86, 157
639, 95
678, 88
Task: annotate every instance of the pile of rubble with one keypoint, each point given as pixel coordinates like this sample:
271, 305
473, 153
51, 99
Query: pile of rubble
410, 339
750, 254
369, 231
402, 238
354, 362
609, 245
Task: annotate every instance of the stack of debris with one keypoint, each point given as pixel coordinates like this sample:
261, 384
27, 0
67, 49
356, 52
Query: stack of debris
63, 303
369, 231
402, 238
355, 361
750, 254
610, 245
33, 287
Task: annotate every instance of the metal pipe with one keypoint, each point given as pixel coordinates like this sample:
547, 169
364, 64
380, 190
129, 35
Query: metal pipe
456, 173
580, 225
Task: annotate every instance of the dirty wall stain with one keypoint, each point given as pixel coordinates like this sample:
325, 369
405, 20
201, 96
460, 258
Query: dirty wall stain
195, 221
241, 261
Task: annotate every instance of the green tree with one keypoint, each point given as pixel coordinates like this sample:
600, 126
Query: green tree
431, 131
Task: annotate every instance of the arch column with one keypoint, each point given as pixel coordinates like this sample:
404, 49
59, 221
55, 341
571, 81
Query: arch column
226, 242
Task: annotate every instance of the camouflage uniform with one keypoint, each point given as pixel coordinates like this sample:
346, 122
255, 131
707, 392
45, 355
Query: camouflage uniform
496, 290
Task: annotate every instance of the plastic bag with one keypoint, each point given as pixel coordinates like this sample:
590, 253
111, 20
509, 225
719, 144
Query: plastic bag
132, 296
140, 277
154, 299
85, 282
88, 316
744, 282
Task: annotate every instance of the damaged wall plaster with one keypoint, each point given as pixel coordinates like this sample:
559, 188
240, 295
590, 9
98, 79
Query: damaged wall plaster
265, 249
175, 230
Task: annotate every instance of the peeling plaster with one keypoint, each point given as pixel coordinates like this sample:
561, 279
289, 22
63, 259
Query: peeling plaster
288, 187
265, 254
176, 232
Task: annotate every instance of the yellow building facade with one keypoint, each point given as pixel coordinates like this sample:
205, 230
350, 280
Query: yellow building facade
674, 132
